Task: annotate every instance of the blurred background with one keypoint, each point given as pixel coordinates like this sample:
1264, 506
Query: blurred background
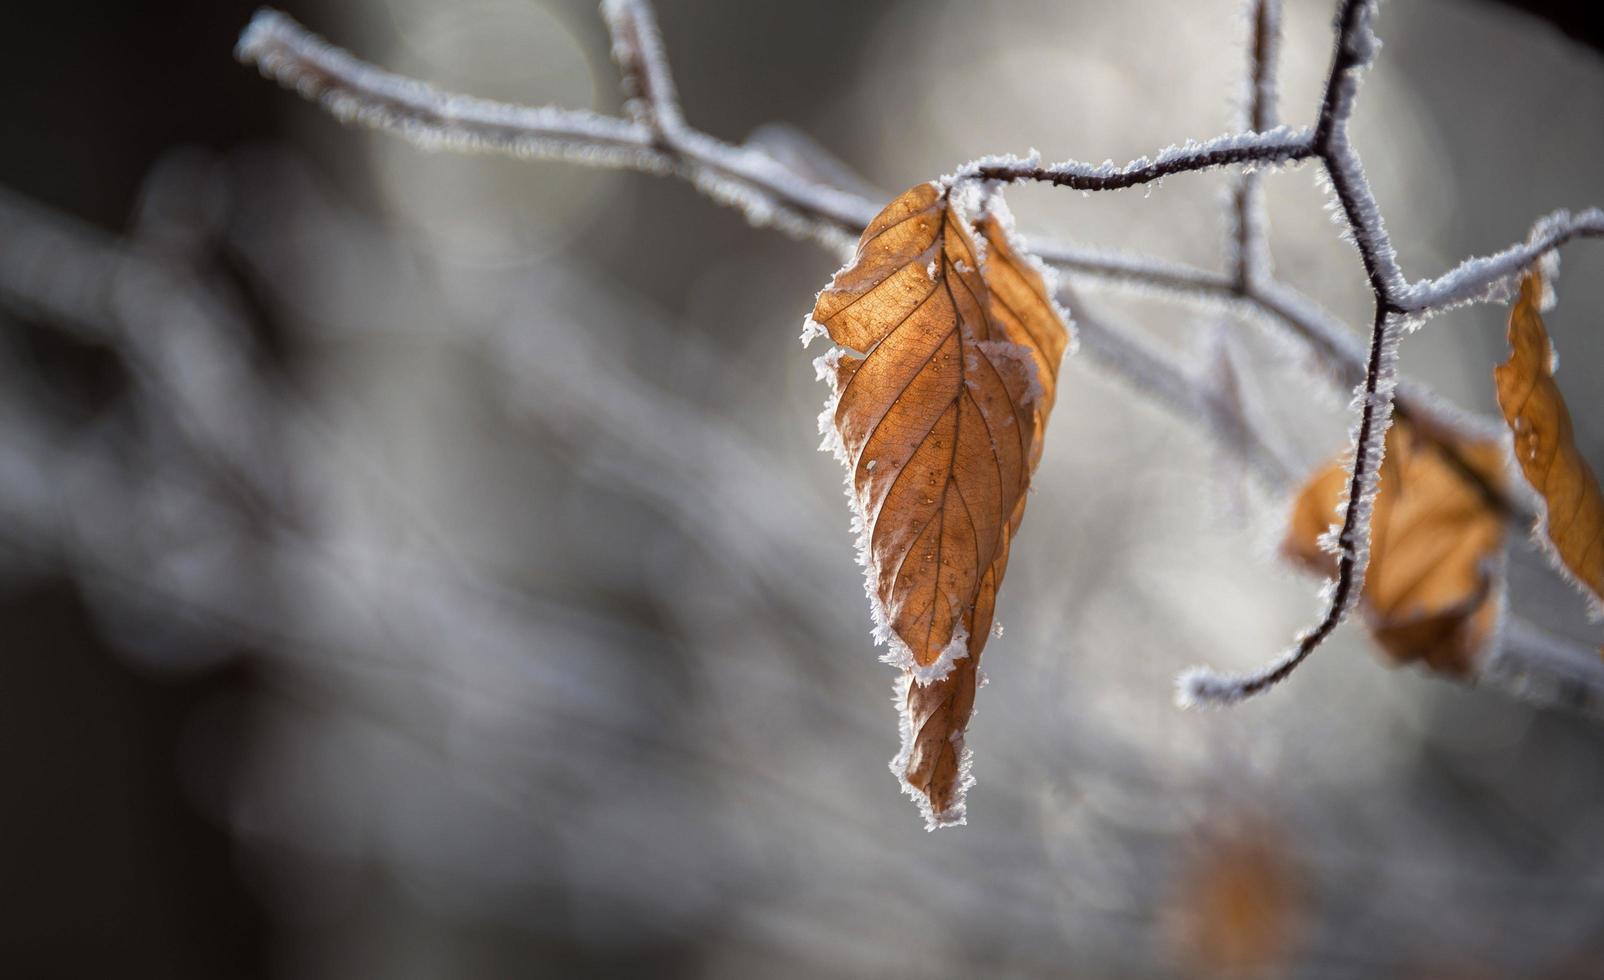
418, 565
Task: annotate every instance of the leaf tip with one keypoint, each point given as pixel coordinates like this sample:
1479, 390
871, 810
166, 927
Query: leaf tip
953, 790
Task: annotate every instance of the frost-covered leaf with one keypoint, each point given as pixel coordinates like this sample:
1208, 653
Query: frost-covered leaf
1573, 509
1431, 592
946, 370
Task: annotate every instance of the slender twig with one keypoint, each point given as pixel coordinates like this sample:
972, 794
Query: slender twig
1282, 144
643, 64
1203, 686
1249, 255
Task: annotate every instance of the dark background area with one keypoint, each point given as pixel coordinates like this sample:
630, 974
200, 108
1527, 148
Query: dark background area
107, 867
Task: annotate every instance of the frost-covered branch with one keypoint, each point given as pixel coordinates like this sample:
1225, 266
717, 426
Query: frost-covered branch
768, 191
1356, 45
656, 139
749, 178
355, 91
1479, 279
1525, 661
1283, 144
643, 64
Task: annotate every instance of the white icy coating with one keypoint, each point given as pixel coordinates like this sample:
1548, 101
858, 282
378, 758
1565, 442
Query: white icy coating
354, 91
955, 815
956, 649
1377, 406
1539, 531
967, 202
964, 174
1488, 277
1364, 221
812, 330
1273, 146
743, 177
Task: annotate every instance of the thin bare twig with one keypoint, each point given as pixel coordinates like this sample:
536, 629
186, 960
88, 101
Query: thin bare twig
1249, 252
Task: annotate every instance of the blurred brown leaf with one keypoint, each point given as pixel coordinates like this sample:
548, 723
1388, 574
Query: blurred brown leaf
1238, 905
1545, 445
1431, 592
939, 422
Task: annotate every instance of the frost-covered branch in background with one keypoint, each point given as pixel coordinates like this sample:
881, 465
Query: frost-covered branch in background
655, 138
70, 499
769, 191
1248, 249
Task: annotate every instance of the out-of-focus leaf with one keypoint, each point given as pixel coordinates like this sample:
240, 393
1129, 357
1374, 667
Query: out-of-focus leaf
1573, 509
939, 400
1432, 591
1237, 908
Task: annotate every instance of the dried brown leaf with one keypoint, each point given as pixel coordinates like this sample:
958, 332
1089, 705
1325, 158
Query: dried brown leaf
1431, 592
1238, 906
1545, 447
939, 422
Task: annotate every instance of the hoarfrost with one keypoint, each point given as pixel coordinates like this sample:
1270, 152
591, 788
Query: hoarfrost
956, 649
812, 330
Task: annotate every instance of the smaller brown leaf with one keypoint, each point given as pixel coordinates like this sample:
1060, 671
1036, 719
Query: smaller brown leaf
1237, 908
1545, 447
1431, 590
